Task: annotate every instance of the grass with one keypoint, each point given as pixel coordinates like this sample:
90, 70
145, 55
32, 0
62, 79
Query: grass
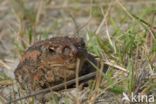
125, 37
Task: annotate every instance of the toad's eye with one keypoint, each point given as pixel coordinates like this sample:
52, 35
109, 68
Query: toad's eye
51, 50
66, 51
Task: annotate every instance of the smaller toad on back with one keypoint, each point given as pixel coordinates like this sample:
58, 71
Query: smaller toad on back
52, 61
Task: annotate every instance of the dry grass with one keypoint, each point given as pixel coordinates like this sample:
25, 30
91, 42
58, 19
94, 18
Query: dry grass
122, 34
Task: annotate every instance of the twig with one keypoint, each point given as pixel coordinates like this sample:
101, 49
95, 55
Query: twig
125, 9
77, 79
153, 76
104, 18
81, 27
6, 83
117, 66
2, 98
75, 24
39, 11
59, 86
5, 65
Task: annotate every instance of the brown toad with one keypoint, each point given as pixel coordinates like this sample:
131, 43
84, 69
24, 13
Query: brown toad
52, 61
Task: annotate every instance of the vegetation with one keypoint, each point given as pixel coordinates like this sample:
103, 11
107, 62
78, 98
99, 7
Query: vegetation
121, 34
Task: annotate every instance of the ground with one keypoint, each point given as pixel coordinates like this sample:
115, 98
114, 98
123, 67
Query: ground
120, 33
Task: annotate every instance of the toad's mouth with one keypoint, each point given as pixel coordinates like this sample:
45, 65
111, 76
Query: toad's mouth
68, 66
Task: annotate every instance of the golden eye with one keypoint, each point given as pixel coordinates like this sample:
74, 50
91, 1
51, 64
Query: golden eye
51, 50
